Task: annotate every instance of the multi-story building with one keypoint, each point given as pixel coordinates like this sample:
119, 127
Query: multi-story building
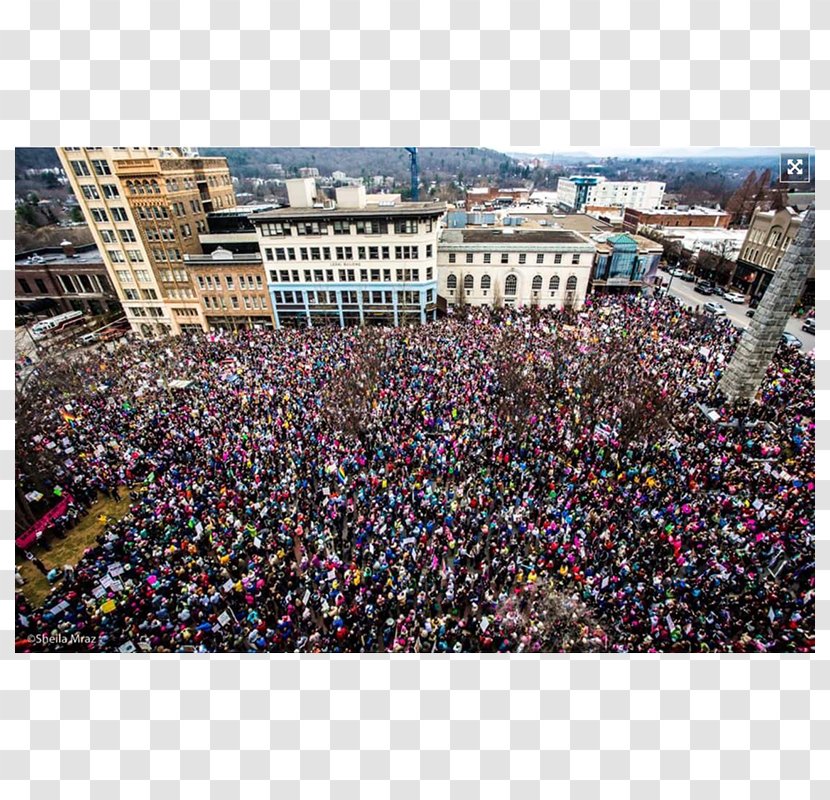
578, 191
769, 235
53, 280
634, 220
508, 266
624, 262
229, 277
146, 207
479, 197
360, 260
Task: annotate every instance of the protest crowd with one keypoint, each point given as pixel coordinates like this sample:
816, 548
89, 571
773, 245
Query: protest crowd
432, 488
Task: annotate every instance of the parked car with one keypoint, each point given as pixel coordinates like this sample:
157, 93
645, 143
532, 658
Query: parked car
718, 290
790, 340
677, 272
809, 325
715, 309
734, 297
750, 312
703, 288
688, 277
88, 338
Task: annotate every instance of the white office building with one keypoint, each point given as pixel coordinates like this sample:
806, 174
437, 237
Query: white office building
359, 260
579, 191
508, 266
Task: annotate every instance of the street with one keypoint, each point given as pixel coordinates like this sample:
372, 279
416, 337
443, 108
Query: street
735, 312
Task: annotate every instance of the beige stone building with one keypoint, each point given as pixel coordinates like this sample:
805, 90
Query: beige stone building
146, 207
509, 266
769, 236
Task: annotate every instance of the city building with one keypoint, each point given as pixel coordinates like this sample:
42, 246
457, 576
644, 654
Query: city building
634, 219
578, 191
53, 280
309, 172
359, 260
624, 262
146, 207
509, 266
478, 198
228, 274
768, 238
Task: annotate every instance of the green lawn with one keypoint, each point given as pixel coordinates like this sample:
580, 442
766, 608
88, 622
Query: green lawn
70, 549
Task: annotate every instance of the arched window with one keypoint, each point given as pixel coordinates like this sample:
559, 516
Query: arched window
553, 284
130, 187
452, 281
155, 186
510, 284
468, 281
485, 281
537, 283
571, 284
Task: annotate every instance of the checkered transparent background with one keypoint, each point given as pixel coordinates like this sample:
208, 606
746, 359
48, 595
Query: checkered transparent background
458, 72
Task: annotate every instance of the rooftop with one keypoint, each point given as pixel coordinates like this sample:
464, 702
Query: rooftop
519, 236
684, 210
243, 211
396, 210
54, 256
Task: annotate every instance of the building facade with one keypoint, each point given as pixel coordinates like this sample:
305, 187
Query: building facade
53, 280
624, 262
478, 198
768, 238
513, 267
146, 207
634, 220
579, 191
360, 260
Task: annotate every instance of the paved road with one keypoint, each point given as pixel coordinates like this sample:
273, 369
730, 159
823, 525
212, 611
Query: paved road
735, 312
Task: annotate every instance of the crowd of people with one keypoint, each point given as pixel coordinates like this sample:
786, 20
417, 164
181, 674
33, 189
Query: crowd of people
508, 480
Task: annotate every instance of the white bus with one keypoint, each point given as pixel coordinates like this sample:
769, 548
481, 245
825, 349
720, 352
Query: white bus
47, 326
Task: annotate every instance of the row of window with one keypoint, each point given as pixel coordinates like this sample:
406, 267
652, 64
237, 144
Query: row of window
125, 276
214, 282
173, 275
401, 275
119, 214
353, 297
505, 258
140, 294
152, 311
81, 168
772, 239
170, 254
90, 191
485, 282
249, 301
118, 256
769, 259
71, 284
373, 253
345, 227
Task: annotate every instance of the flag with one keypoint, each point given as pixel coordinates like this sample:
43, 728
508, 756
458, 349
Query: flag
341, 474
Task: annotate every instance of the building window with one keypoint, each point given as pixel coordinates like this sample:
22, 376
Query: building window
557, 259
553, 284
374, 253
124, 276
131, 294
468, 281
143, 276
341, 227
575, 259
275, 228
24, 285
429, 251
504, 257
101, 168
540, 258
406, 226
90, 192
369, 226
485, 281
116, 256
537, 283
110, 190
127, 235
135, 256
510, 285
452, 281
522, 258
469, 258
119, 214
452, 258
571, 284
308, 228
487, 258
99, 215
80, 168
229, 281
